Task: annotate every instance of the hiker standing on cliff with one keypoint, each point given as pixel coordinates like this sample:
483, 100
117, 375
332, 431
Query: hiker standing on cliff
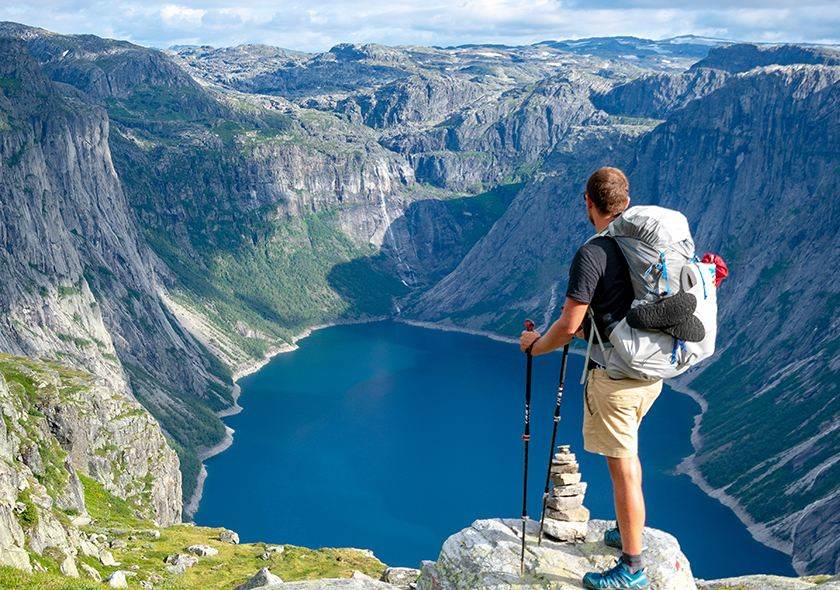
599, 279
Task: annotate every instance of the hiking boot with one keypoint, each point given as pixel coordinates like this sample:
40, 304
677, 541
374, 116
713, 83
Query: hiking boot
612, 538
617, 578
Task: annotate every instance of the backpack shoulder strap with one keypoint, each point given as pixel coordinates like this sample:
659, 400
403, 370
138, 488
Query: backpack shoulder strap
601, 234
592, 332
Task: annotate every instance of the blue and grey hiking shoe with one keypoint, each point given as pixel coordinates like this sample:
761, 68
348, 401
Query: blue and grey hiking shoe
612, 538
617, 578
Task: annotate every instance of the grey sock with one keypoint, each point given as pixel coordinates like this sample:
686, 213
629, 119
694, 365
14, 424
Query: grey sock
633, 562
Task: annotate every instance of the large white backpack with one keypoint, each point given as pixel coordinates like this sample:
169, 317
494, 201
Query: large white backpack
659, 249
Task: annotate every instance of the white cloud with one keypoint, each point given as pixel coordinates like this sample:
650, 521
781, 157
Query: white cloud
319, 24
175, 15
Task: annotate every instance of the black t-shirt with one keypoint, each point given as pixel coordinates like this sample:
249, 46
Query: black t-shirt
600, 277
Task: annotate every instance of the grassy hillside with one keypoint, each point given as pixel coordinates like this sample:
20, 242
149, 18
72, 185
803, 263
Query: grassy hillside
142, 548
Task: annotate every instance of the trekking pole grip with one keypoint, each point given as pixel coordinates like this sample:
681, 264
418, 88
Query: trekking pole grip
529, 327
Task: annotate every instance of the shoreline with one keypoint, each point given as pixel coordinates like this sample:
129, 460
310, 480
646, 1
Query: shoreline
451, 328
191, 507
251, 367
238, 373
688, 465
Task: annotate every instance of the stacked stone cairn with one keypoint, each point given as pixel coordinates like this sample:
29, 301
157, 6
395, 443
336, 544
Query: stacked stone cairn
566, 518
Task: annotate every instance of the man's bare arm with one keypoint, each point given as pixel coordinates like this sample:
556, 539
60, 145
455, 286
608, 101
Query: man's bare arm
560, 333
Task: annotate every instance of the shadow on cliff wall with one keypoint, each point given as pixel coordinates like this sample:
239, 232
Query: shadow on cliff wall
420, 247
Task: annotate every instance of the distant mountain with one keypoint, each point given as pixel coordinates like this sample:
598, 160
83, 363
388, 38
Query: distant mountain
741, 57
634, 48
169, 218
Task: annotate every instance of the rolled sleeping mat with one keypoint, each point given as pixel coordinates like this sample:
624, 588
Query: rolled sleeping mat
667, 312
672, 315
691, 330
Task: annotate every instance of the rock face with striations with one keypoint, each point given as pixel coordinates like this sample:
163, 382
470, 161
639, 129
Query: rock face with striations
486, 141
78, 274
656, 95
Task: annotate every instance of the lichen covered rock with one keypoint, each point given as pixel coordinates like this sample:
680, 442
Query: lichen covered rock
486, 555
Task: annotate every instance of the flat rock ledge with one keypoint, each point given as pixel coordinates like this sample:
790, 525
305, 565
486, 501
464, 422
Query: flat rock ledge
333, 584
760, 582
359, 581
486, 556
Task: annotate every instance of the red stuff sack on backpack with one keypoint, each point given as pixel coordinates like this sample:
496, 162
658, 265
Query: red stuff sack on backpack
721, 269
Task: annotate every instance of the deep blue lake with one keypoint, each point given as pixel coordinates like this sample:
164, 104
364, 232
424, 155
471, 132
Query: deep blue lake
392, 437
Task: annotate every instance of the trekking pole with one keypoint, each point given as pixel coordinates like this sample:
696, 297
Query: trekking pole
526, 438
557, 403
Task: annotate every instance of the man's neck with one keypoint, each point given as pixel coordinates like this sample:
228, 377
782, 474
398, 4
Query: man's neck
601, 223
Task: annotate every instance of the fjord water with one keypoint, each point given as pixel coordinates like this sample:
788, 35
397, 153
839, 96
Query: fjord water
392, 437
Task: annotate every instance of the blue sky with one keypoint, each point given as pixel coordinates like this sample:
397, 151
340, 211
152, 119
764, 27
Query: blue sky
320, 24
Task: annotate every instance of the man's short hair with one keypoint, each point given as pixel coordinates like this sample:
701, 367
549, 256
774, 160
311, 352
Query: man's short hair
609, 190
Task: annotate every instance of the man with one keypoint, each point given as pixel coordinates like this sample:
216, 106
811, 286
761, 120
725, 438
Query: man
599, 279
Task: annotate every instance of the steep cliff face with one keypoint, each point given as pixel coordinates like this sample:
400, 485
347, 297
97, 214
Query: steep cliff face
482, 144
420, 98
749, 164
48, 302
79, 280
520, 266
250, 226
657, 95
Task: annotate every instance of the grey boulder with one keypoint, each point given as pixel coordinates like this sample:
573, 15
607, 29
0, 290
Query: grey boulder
117, 580
486, 555
91, 572
261, 579
202, 550
402, 577
179, 563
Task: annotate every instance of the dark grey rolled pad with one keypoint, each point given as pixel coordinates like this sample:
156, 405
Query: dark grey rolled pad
691, 330
670, 311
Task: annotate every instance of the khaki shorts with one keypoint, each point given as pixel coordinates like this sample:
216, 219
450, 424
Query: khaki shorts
612, 412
